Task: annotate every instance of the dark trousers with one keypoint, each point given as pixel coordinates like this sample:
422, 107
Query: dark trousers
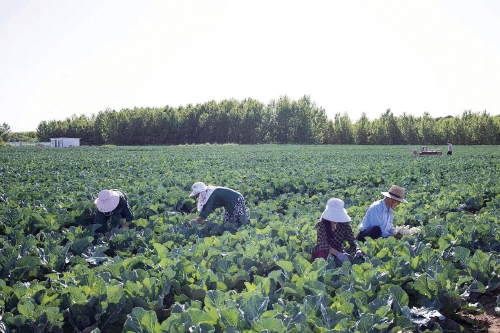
372, 232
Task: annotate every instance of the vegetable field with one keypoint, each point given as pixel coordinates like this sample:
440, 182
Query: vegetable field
168, 275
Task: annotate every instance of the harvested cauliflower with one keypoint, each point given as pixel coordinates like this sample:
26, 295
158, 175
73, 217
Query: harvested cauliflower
406, 230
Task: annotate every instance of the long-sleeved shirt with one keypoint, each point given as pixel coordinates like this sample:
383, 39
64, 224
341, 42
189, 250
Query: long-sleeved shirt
123, 210
221, 197
379, 215
342, 233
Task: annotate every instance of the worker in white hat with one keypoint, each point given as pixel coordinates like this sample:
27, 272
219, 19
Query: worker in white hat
333, 231
112, 206
212, 197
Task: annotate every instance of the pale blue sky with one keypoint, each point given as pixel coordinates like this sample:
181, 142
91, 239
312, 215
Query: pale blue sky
64, 57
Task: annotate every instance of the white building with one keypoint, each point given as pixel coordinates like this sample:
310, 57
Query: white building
64, 142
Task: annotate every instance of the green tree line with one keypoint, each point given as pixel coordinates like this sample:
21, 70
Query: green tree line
280, 121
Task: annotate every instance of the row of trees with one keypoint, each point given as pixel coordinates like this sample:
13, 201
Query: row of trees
281, 121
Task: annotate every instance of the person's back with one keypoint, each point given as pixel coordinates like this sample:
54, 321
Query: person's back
211, 197
222, 197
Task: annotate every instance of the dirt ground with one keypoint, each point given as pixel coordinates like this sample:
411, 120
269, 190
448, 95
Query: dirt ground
488, 321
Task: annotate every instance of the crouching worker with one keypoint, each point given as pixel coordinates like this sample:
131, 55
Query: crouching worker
112, 207
212, 197
378, 220
333, 230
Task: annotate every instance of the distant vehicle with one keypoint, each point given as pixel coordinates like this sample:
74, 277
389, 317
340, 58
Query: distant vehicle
427, 152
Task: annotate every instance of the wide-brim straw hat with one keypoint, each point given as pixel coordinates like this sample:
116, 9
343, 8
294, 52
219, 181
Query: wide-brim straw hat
107, 200
198, 187
335, 211
396, 193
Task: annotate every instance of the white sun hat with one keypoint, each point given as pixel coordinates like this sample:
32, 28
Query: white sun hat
335, 211
198, 187
107, 200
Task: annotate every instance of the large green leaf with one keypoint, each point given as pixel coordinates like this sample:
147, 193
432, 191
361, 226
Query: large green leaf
161, 250
286, 265
54, 317
203, 328
400, 297
232, 317
200, 316
426, 286
381, 305
302, 265
314, 287
366, 322
329, 317
80, 245
76, 296
215, 299
142, 321
114, 293
254, 307
269, 324
26, 308
462, 255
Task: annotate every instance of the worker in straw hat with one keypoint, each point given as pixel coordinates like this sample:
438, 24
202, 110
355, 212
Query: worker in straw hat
378, 218
212, 197
112, 207
333, 231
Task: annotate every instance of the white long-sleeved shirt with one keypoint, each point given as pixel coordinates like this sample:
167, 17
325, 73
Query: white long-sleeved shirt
379, 215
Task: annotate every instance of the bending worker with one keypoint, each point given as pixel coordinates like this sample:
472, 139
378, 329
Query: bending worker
212, 197
112, 206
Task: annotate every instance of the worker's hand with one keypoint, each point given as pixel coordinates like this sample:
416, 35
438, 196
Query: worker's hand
125, 225
199, 220
342, 256
398, 235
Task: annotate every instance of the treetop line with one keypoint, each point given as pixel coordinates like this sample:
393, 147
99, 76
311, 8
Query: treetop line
283, 121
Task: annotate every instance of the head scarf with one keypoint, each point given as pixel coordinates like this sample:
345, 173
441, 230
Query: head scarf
204, 196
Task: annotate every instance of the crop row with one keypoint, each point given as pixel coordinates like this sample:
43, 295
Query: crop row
166, 275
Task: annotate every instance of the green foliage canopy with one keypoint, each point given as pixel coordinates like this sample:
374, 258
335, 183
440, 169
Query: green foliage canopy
283, 121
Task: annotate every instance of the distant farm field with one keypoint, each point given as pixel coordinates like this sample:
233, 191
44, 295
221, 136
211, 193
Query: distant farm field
167, 275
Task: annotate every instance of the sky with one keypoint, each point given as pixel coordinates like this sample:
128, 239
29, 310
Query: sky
65, 57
